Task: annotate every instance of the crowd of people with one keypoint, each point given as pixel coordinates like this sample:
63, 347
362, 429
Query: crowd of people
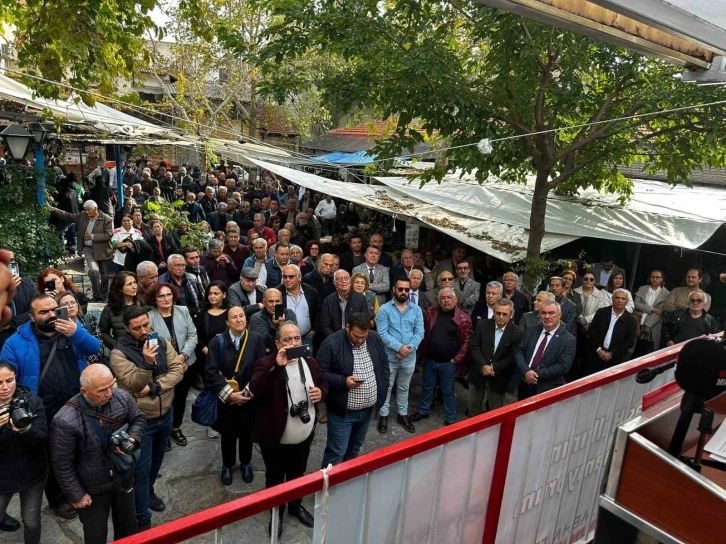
290, 317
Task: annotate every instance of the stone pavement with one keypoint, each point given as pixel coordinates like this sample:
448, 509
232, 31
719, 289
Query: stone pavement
190, 482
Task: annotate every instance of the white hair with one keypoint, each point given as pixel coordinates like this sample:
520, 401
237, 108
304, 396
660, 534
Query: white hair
144, 268
89, 205
173, 257
92, 372
295, 267
444, 289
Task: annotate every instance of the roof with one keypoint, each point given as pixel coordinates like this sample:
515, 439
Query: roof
360, 138
274, 120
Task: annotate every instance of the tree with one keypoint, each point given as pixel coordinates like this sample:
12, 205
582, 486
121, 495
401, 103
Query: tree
468, 72
82, 44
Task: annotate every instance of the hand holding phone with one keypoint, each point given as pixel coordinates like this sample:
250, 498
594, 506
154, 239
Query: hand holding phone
153, 339
61, 312
279, 311
300, 351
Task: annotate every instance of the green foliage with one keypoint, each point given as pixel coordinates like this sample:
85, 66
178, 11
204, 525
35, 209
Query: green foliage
173, 219
24, 227
82, 44
466, 72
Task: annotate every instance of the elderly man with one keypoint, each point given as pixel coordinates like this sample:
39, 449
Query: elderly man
78, 441
445, 279
545, 353
531, 319
283, 237
244, 217
218, 219
96, 230
257, 260
303, 300
484, 309
400, 325
208, 202
264, 322
682, 325
417, 296
379, 280
469, 288
321, 279
679, 298
402, 269
519, 299
337, 307
189, 291
275, 265
148, 274
446, 351
326, 212
246, 293
265, 232
218, 264
492, 358
612, 335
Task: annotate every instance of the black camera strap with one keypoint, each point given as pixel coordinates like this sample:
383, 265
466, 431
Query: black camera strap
53, 349
302, 379
94, 420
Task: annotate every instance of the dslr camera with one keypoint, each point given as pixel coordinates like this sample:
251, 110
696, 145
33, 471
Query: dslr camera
20, 413
300, 410
120, 439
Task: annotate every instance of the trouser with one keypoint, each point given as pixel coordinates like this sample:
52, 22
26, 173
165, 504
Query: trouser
181, 391
346, 435
445, 372
53, 491
69, 233
242, 435
153, 448
526, 391
328, 226
479, 393
31, 499
285, 462
401, 372
98, 272
120, 503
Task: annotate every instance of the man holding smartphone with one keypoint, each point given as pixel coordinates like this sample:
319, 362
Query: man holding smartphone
355, 365
273, 314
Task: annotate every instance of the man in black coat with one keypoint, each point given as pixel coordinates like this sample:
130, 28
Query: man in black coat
492, 357
612, 335
81, 455
355, 366
519, 299
355, 256
301, 299
345, 300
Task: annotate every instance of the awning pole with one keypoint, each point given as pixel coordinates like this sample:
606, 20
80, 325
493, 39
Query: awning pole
634, 269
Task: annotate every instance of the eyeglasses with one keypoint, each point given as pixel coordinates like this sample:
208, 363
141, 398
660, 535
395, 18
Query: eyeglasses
696, 300
70, 304
289, 276
588, 280
167, 295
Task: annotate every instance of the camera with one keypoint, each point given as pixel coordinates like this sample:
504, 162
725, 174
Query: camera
301, 410
20, 413
120, 439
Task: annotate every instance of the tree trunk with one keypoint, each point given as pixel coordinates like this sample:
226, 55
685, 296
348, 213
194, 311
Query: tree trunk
536, 228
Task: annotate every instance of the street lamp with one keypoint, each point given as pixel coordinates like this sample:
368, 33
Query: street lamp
39, 132
16, 140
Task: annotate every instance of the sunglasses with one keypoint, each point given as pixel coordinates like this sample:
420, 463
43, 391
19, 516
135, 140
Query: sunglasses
588, 280
289, 277
446, 279
696, 300
403, 289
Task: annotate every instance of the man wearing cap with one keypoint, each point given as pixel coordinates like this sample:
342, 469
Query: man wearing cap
95, 229
246, 292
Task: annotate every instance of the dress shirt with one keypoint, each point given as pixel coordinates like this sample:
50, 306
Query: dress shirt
414, 296
609, 336
540, 340
498, 333
490, 312
252, 296
299, 305
89, 230
343, 303
605, 275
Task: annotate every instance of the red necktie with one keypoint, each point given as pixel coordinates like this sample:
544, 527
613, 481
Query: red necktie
540, 351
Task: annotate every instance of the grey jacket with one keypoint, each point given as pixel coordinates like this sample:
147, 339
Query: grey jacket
184, 329
381, 283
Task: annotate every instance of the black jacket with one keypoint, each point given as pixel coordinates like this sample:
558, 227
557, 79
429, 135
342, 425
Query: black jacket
168, 247
195, 211
315, 280
623, 339
481, 350
673, 321
335, 358
111, 326
22, 455
101, 195
330, 318
521, 305
80, 461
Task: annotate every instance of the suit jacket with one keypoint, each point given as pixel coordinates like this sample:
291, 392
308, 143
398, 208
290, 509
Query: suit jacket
597, 268
482, 353
521, 304
269, 387
569, 315
331, 319
102, 232
184, 330
236, 296
346, 261
623, 339
470, 293
556, 359
381, 284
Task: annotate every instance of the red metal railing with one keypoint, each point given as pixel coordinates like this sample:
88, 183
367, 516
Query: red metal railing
250, 505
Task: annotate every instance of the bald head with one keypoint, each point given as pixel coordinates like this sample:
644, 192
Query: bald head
97, 383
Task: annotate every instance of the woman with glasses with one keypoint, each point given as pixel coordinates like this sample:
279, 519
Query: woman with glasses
649, 301
122, 292
592, 299
174, 324
312, 252
89, 322
617, 281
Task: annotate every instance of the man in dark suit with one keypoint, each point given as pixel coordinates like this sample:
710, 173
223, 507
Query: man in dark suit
545, 353
301, 299
567, 307
492, 358
519, 299
355, 256
343, 300
417, 294
612, 335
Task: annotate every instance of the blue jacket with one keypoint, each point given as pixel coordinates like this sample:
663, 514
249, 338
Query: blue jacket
22, 350
398, 329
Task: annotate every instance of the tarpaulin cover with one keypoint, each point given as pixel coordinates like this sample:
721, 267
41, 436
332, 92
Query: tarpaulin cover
361, 157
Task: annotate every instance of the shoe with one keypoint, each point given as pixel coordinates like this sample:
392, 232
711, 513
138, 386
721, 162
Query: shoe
279, 526
382, 424
168, 445
64, 510
404, 422
144, 526
211, 433
447, 423
323, 419
156, 504
9, 524
305, 517
178, 436
417, 416
226, 476
247, 474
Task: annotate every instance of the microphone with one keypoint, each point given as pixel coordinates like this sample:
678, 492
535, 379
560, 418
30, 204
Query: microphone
701, 368
647, 375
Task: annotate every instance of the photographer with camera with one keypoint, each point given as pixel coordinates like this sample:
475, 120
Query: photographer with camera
23, 462
288, 391
94, 446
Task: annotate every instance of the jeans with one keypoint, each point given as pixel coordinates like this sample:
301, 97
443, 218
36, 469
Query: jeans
31, 499
153, 448
120, 504
401, 372
98, 273
445, 372
346, 435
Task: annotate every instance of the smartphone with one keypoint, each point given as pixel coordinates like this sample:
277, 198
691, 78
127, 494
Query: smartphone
50, 285
300, 351
14, 268
279, 311
61, 312
358, 380
153, 338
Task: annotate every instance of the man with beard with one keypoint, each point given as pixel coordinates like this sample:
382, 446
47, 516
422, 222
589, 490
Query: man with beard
193, 260
49, 355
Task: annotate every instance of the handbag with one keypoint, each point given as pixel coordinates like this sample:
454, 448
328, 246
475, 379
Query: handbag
233, 383
204, 409
644, 345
